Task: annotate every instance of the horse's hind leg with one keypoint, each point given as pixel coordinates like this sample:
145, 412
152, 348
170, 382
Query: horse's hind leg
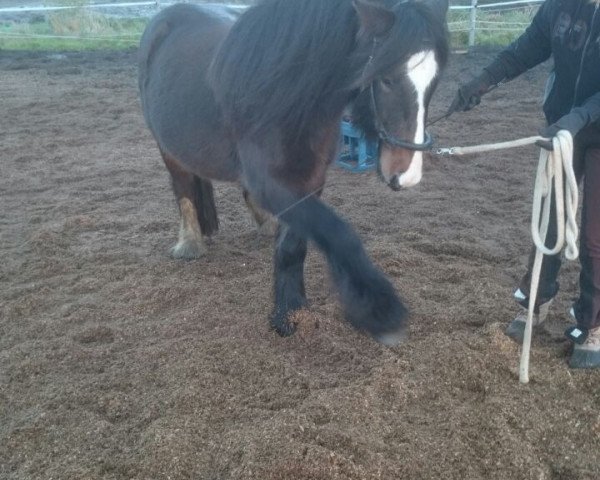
267, 223
197, 210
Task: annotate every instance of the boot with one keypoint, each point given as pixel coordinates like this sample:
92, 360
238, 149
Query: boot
587, 354
586, 311
516, 329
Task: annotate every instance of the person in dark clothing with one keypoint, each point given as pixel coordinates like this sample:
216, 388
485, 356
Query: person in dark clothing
569, 32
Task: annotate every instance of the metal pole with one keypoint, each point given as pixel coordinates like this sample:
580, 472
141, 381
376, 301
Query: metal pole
472, 23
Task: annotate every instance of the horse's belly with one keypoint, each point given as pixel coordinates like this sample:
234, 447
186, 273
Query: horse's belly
213, 160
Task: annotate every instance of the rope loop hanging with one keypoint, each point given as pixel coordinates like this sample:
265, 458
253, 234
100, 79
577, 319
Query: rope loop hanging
555, 176
555, 168
552, 168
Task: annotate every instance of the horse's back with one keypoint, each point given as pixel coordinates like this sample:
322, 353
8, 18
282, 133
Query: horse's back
175, 53
182, 22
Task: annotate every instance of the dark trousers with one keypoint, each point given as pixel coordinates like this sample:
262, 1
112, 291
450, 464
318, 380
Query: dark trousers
586, 163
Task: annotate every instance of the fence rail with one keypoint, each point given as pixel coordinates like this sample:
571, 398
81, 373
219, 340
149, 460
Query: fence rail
472, 25
50, 8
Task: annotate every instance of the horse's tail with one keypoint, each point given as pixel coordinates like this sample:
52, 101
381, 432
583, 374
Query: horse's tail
204, 201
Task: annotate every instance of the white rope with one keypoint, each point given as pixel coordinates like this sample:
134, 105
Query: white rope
554, 168
551, 167
488, 147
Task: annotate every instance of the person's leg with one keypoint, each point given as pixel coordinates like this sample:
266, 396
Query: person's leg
548, 283
548, 286
587, 307
547, 289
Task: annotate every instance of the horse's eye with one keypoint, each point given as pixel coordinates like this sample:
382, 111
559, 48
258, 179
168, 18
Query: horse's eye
387, 82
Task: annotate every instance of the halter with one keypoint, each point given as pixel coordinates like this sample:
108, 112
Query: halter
384, 136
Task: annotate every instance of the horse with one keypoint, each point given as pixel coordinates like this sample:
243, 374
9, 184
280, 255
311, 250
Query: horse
257, 99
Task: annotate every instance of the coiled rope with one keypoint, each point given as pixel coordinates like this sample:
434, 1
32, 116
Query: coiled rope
552, 167
554, 173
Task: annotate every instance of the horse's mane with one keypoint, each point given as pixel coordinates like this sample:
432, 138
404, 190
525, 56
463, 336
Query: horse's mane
281, 60
292, 64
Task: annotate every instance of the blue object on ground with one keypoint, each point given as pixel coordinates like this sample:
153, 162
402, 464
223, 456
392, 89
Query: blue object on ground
357, 153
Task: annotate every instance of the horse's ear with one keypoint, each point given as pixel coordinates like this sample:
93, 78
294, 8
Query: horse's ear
375, 19
439, 7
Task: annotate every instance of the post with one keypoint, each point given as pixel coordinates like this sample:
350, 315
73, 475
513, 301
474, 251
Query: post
472, 23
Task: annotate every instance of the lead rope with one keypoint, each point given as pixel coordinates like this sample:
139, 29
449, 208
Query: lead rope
551, 168
488, 147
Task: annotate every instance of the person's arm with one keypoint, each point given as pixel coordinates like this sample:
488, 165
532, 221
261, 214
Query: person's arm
577, 118
533, 47
530, 49
592, 105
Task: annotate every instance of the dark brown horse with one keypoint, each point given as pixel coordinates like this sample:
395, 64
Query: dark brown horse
258, 100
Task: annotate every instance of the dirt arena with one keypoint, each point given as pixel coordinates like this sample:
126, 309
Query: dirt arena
118, 362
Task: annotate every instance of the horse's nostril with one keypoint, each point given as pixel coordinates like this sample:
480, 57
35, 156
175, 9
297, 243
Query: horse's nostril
395, 183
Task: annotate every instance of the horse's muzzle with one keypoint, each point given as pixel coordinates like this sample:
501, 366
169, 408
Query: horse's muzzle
394, 183
400, 168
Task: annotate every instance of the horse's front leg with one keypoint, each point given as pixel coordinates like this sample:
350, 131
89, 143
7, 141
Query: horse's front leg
369, 299
290, 253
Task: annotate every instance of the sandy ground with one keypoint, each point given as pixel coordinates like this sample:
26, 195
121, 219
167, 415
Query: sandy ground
117, 362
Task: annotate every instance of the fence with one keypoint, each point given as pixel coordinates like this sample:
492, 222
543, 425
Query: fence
471, 25
474, 25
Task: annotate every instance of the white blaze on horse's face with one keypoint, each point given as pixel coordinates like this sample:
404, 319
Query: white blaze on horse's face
402, 167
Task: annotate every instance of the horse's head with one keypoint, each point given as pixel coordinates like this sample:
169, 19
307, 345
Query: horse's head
403, 47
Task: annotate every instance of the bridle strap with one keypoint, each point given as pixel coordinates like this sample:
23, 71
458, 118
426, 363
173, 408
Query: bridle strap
396, 142
385, 137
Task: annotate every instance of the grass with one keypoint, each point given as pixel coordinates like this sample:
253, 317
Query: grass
76, 29
494, 28
83, 29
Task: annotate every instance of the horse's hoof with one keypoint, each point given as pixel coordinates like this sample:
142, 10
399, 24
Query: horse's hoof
378, 311
284, 329
188, 250
391, 339
391, 329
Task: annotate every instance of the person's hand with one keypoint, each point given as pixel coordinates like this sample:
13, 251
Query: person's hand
545, 144
573, 122
469, 94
